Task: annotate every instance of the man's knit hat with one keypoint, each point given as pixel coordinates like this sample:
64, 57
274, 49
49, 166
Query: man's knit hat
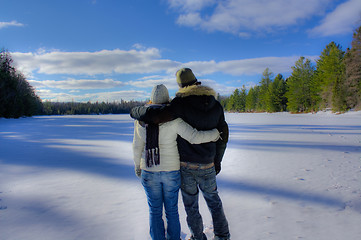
159, 94
185, 77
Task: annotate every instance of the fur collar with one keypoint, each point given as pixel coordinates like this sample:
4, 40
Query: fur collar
197, 90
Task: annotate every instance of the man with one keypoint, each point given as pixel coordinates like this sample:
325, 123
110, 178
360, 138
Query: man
196, 105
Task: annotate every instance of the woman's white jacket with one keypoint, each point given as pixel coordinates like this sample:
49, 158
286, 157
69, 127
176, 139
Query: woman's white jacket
168, 132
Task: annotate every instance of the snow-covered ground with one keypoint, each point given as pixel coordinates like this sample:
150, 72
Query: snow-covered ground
283, 177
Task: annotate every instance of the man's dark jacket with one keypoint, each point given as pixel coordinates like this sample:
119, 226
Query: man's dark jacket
197, 106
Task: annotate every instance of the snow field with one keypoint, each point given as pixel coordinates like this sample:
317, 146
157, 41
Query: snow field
283, 176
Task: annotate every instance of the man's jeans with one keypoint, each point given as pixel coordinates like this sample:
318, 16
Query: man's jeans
205, 179
162, 188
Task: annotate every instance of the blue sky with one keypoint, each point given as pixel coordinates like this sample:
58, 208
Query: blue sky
107, 50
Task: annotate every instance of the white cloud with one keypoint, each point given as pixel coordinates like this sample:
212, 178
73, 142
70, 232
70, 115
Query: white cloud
341, 21
151, 81
113, 96
190, 19
46, 94
252, 66
148, 63
222, 89
10, 24
92, 63
242, 16
191, 5
135, 62
77, 84
139, 46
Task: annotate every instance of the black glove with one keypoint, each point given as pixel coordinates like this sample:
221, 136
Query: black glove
217, 167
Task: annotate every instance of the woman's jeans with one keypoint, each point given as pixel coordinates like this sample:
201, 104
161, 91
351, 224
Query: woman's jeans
162, 189
204, 179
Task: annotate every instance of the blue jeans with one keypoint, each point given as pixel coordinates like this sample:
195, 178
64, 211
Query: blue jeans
204, 179
162, 189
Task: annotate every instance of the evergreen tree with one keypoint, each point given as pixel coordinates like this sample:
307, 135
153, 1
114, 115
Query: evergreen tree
230, 104
301, 97
237, 101
330, 77
277, 100
223, 100
252, 99
241, 103
353, 72
263, 91
17, 96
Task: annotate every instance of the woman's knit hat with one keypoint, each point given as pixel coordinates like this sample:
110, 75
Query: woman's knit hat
185, 77
159, 94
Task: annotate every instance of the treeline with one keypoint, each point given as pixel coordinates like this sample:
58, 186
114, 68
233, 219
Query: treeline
333, 83
77, 108
269, 96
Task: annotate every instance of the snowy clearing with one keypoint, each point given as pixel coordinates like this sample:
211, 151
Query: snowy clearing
283, 177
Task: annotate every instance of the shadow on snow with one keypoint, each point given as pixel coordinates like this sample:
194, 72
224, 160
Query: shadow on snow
24, 142
281, 193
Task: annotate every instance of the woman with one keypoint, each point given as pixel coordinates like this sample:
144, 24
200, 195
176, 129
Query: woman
156, 161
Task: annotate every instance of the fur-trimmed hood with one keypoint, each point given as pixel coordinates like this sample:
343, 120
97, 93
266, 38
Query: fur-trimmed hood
196, 90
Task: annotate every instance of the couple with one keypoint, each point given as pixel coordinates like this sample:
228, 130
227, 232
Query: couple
170, 154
